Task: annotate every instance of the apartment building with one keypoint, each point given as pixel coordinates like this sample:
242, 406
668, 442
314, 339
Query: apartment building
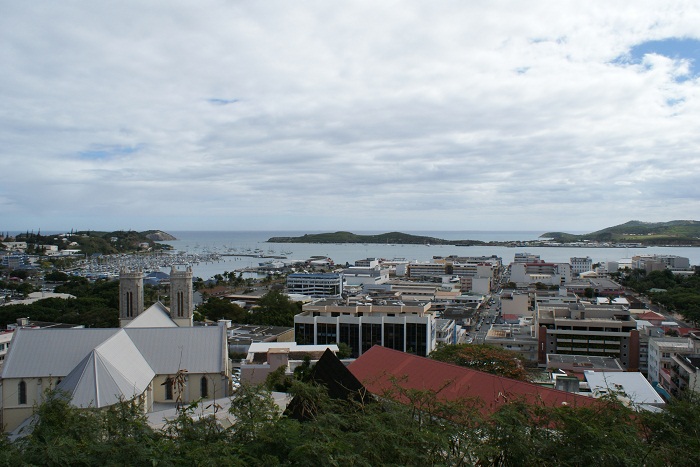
660, 357
581, 265
685, 374
607, 331
524, 274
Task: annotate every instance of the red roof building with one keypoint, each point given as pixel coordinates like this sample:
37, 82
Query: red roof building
380, 369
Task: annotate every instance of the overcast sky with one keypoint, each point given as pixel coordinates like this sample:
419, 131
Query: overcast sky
353, 115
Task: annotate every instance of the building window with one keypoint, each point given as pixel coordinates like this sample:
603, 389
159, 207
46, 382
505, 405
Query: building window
22, 393
180, 304
371, 335
168, 389
204, 387
129, 304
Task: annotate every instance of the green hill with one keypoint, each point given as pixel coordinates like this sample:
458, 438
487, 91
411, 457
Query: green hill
385, 238
92, 241
678, 232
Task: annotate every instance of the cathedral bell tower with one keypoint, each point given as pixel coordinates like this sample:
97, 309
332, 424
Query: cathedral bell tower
130, 295
181, 296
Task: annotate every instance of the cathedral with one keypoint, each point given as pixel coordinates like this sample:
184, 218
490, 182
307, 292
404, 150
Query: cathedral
131, 308
156, 358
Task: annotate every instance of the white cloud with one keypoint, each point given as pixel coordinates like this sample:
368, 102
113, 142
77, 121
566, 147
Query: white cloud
320, 115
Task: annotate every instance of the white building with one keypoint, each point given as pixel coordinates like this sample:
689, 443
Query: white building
100, 367
405, 326
315, 284
361, 276
524, 274
661, 351
265, 357
581, 265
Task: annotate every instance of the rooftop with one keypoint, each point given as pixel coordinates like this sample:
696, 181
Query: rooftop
380, 369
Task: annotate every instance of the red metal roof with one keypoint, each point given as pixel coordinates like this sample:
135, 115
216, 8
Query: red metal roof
651, 315
380, 369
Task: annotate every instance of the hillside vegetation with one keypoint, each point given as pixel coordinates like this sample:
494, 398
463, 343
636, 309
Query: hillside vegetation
679, 232
92, 241
385, 238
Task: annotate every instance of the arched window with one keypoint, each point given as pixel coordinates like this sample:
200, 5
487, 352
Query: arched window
168, 389
22, 393
204, 387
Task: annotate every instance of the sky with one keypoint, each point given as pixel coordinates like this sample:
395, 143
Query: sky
353, 115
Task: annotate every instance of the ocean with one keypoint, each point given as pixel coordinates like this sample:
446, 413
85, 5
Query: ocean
255, 242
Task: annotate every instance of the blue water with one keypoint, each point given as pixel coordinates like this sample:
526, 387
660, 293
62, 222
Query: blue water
226, 242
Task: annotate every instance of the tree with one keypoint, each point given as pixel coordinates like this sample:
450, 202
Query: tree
275, 309
483, 357
218, 308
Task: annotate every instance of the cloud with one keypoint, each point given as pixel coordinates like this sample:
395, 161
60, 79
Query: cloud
394, 115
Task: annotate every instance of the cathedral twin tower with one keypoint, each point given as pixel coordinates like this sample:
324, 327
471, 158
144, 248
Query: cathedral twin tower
181, 296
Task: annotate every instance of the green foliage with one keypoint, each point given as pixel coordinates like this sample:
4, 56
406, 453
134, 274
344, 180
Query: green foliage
682, 292
483, 357
96, 305
218, 308
344, 350
650, 233
56, 276
275, 309
422, 430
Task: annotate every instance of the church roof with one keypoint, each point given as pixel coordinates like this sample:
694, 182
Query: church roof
50, 352
155, 316
113, 371
37, 353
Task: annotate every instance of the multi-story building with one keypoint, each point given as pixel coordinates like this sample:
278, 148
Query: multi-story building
514, 302
582, 329
365, 276
580, 265
660, 358
599, 286
315, 284
479, 285
405, 326
526, 258
524, 274
426, 270
367, 263
14, 260
518, 338
685, 374
660, 262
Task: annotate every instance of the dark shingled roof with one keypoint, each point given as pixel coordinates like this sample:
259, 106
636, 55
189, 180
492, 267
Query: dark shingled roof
334, 375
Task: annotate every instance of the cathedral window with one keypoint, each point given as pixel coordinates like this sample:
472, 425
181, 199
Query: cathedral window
22, 393
168, 389
204, 387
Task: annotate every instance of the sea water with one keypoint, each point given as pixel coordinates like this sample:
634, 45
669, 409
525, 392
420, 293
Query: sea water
239, 244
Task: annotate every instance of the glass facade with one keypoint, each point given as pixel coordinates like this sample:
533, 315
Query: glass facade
350, 335
371, 335
326, 333
304, 333
416, 338
393, 336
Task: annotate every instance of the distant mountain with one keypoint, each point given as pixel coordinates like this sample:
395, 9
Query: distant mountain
679, 232
385, 238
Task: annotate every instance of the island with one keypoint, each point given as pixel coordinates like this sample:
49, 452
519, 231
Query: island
672, 233
389, 238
